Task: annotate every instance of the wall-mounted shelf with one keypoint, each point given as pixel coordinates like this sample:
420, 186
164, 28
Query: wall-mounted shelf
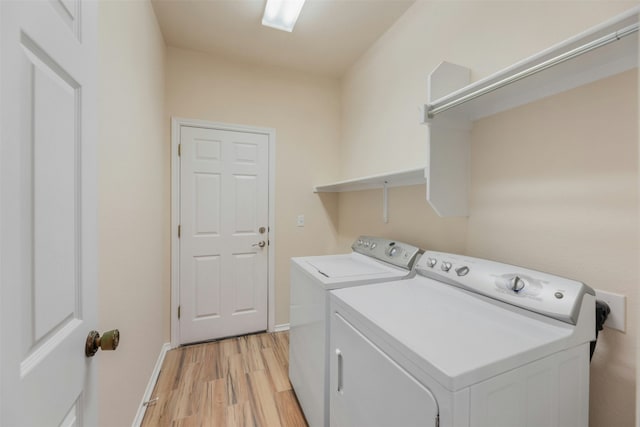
393, 179
453, 103
602, 51
383, 181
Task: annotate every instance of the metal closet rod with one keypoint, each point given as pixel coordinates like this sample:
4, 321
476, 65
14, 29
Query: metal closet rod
602, 41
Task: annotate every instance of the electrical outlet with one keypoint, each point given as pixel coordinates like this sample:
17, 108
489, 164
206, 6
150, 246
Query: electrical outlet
300, 221
616, 303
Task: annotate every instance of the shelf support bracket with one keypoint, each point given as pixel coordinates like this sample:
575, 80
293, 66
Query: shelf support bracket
385, 206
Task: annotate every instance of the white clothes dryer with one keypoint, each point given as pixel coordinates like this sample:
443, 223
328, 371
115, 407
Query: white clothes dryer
373, 260
465, 343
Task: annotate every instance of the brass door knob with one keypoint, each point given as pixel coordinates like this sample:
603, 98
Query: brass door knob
108, 341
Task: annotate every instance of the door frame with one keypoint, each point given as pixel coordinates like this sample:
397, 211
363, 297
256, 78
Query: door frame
176, 124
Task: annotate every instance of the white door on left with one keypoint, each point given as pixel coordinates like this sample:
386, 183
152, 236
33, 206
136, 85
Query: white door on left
47, 212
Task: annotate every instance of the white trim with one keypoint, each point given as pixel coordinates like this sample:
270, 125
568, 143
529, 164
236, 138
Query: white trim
176, 123
282, 327
137, 421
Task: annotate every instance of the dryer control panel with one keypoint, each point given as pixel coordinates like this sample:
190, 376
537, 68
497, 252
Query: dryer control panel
400, 254
543, 293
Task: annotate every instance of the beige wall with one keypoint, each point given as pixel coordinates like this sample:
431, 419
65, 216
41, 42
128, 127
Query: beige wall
411, 219
555, 188
382, 91
554, 183
133, 204
303, 109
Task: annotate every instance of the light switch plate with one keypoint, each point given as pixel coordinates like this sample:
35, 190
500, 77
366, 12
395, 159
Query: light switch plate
300, 221
616, 302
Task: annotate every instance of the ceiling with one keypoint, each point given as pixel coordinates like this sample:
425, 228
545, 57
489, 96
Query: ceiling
328, 37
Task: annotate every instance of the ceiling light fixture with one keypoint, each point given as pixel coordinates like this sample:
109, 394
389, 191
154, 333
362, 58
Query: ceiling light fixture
282, 14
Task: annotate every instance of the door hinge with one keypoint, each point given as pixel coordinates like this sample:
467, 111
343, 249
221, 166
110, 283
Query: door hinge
179, 230
179, 150
179, 312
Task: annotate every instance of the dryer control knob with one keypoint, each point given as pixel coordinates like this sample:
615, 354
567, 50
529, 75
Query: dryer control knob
446, 266
431, 262
394, 251
462, 271
516, 284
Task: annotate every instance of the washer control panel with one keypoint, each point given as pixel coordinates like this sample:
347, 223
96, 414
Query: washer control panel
543, 293
397, 253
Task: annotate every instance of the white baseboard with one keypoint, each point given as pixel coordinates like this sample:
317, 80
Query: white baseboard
137, 421
282, 327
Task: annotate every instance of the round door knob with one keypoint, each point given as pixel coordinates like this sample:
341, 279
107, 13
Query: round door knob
108, 341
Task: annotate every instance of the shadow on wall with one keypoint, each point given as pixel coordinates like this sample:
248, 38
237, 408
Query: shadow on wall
411, 219
330, 204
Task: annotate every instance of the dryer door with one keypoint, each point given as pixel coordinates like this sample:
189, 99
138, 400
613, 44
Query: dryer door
368, 388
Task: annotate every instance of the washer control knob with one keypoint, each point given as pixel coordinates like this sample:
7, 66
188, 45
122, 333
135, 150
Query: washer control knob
395, 250
366, 243
373, 245
462, 271
446, 266
431, 262
359, 242
516, 284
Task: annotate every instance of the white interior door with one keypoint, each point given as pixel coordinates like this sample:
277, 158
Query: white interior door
48, 212
224, 208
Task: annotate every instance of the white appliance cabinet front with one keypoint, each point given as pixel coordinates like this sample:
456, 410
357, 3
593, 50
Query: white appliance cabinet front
375, 383
369, 389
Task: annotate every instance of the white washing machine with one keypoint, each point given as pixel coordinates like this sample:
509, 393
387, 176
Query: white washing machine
465, 343
373, 260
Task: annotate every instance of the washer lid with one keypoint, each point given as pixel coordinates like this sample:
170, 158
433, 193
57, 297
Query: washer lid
339, 271
352, 265
456, 337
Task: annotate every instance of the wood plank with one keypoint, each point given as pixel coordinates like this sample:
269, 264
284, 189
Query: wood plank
281, 347
170, 372
251, 351
276, 371
212, 368
238, 381
289, 410
192, 421
189, 391
240, 415
213, 405
263, 399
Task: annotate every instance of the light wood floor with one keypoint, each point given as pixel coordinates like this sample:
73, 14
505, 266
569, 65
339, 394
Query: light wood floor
239, 381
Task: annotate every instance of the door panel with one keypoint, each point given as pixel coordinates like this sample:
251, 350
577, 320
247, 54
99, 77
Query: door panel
207, 283
48, 209
207, 206
54, 188
244, 283
245, 197
223, 202
368, 388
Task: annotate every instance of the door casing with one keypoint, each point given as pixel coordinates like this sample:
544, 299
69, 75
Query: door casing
176, 123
